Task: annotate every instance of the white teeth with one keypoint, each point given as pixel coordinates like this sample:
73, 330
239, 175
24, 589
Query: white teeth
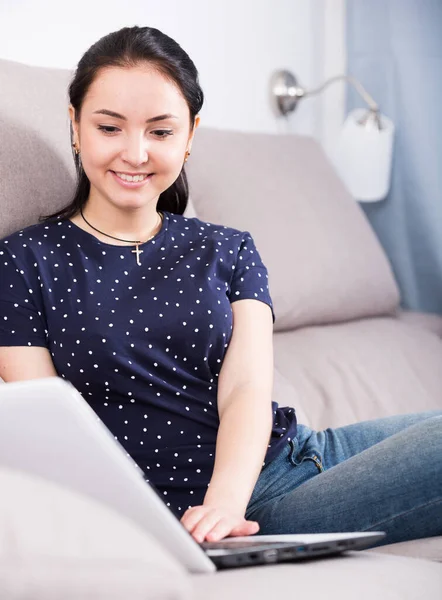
131, 177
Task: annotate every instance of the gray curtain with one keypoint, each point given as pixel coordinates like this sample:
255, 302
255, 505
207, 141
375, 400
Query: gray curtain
395, 50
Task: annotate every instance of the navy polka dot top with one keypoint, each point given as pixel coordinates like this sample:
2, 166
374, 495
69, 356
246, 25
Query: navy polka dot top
143, 344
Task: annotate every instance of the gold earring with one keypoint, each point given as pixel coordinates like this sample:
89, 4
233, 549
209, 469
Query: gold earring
77, 150
186, 155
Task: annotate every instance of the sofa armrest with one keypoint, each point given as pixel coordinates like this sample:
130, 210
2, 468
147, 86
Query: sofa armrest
58, 543
427, 321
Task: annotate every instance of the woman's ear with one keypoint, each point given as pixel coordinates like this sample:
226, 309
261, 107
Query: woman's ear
71, 111
195, 125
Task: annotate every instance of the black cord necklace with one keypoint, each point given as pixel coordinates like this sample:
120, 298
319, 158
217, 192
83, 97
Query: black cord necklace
137, 250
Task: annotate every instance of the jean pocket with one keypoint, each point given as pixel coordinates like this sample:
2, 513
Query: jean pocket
298, 455
280, 477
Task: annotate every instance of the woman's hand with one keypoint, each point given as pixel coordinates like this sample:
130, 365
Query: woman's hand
212, 523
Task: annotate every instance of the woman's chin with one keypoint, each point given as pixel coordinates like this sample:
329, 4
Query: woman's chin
133, 201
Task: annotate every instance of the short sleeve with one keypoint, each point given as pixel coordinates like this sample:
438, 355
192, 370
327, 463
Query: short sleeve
21, 320
250, 277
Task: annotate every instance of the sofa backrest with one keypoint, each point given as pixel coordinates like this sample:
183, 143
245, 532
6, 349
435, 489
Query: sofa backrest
325, 263
37, 174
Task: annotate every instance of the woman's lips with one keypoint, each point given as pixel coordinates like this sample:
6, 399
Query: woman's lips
131, 184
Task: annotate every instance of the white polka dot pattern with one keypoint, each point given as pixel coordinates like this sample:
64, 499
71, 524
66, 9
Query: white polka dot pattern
143, 344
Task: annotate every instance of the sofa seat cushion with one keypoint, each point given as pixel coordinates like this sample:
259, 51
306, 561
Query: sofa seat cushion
325, 263
428, 548
428, 321
361, 370
56, 543
361, 575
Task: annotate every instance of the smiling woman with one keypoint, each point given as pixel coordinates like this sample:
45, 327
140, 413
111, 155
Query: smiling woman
134, 104
169, 339
143, 331
124, 148
128, 159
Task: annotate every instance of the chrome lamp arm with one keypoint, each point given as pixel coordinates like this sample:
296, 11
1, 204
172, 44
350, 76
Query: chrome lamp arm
287, 92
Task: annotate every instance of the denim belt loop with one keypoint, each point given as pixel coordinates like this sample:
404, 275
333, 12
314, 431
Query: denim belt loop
297, 456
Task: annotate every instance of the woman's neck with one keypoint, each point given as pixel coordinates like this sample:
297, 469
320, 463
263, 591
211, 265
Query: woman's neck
136, 224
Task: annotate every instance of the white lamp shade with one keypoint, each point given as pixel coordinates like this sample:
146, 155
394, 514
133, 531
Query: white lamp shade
363, 157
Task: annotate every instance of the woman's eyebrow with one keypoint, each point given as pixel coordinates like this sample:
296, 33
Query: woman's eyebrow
111, 113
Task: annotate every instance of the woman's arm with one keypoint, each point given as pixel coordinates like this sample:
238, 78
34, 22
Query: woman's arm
244, 406
23, 362
245, 410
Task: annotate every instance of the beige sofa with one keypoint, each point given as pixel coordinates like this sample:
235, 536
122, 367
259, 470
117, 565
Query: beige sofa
344, 352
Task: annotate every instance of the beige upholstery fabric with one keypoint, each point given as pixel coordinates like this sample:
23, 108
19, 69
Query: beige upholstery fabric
286, 394
325, 262
357, 575
428, 548
426, 321
56, 544
361, 370
34, 133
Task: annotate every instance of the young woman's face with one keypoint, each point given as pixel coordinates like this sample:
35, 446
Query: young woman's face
149, 137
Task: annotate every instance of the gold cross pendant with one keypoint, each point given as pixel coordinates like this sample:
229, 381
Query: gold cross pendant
137, 251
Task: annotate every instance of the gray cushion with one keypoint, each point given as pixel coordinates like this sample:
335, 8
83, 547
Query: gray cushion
361, 370
430, 322
428, 548
361, 575
325, 262
36, 164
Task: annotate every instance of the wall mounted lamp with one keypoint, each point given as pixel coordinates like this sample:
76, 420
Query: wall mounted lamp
362, 154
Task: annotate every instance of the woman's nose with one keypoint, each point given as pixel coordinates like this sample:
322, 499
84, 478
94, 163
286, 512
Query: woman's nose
135, 152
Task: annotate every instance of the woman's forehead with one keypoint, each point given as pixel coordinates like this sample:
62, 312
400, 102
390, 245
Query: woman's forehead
133, 88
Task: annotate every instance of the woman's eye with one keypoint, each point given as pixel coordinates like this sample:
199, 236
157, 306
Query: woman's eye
162, 133
108, 129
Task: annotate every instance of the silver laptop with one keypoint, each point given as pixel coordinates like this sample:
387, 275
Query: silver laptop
47, 428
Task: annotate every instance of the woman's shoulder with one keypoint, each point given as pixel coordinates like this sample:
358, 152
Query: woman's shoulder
31, 233
200, 229
24, 244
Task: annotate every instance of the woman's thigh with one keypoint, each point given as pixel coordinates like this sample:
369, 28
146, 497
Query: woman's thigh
384, 474
333, 446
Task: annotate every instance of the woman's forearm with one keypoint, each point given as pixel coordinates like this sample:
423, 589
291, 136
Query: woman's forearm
241, 446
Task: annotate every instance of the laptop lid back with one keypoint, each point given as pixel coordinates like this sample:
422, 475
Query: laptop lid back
47, 428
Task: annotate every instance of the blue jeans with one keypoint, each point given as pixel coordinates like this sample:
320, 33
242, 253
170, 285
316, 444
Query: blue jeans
384, 474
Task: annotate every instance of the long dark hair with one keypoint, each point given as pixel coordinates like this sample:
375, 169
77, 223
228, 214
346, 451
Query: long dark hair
130, 47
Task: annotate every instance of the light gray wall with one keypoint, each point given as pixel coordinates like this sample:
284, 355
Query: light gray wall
235, 44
